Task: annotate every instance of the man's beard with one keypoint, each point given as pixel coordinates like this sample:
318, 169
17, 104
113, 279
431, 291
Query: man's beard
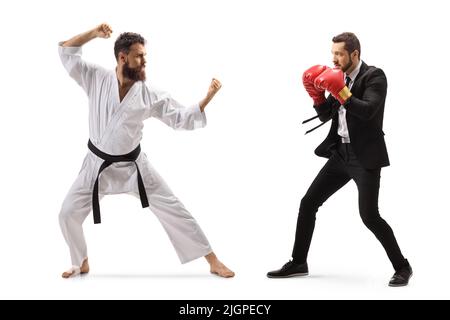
135, 74
347, 66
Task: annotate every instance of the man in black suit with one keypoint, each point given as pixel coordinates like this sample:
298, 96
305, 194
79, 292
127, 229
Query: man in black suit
355, 149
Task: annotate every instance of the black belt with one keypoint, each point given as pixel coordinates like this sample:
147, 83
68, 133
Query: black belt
333, 112
316, 127
109, 160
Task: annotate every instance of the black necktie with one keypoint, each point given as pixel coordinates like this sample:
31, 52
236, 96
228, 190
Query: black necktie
347, 80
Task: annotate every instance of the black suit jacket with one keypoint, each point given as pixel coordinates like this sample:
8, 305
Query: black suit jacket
365, 110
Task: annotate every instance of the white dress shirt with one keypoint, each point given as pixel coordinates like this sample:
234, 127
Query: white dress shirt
342, 126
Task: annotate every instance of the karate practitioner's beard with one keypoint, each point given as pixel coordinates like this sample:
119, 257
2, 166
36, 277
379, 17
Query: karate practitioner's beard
135, 74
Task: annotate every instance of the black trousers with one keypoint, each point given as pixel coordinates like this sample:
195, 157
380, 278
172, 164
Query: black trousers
342, 167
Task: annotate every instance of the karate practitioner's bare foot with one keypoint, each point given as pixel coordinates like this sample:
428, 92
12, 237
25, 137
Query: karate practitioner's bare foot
76, 271
217, 267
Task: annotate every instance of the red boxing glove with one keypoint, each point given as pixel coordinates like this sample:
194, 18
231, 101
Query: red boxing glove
332, 80
318, 95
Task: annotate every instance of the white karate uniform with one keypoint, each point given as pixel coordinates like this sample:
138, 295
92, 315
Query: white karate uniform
115, 128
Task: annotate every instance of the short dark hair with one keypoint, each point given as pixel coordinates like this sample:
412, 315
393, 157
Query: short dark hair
350, 40
125, 41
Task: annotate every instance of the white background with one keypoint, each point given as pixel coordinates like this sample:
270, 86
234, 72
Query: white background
243, 175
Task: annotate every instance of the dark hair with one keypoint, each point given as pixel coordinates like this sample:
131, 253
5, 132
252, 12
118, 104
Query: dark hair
125, 41
350, 40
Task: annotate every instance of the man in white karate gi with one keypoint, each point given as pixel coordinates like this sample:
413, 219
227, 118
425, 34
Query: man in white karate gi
119, 102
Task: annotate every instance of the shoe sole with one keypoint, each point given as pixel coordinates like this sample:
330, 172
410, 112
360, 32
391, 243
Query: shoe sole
397, 285
290, 276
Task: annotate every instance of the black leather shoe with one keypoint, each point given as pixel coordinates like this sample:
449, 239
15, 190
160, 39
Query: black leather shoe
290, 269
401, 277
